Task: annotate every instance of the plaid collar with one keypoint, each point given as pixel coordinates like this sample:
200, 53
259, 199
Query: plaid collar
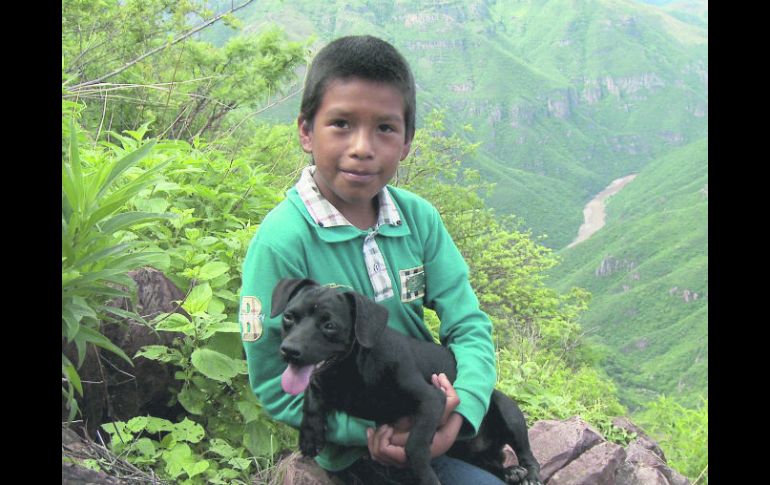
326, 215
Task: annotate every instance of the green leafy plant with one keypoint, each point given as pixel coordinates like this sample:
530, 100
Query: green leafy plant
96, 250
178, 451
215, 199
682, 433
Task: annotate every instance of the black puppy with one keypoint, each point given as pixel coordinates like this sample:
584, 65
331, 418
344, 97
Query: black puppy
342, 354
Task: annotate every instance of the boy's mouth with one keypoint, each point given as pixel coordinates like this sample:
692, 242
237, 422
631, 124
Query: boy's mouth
358, 176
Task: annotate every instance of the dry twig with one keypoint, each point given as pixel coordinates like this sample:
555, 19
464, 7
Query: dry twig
77, 449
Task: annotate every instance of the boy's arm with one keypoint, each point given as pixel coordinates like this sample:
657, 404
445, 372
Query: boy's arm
464, 327
263, 268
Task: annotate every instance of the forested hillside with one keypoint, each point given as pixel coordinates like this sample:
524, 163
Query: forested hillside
647, 270
169, 162
563, 97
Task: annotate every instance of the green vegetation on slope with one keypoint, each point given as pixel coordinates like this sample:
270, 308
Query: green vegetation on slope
563, 96
647, 270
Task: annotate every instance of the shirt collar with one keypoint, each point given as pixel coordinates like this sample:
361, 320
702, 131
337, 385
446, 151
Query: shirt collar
326, 215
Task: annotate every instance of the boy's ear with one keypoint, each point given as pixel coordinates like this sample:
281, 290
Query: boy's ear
305, 130
405, 150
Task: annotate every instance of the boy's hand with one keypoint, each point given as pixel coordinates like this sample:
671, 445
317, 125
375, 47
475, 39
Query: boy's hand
386, 443
441, 381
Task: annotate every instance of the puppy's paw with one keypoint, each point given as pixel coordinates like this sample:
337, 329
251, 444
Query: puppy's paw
311, 442
521, 476
515, 474
533, 477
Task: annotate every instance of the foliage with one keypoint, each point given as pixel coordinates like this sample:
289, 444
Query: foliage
547, 388
214, 201
178, 451
650, 299
506, 265
186, 89
96, 248
219, 201
682, 433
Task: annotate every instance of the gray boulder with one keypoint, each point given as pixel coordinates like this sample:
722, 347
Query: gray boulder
557, 443
571, 452
643, 466
597, 466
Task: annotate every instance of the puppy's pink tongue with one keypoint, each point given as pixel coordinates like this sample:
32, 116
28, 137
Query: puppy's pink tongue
295, 379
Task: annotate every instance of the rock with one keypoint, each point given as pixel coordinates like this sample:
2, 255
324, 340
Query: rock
296, 469
643, 462
630, 475
571, 452
114, 390
597, 466
72, 474
641, 437
556, 443
611, 265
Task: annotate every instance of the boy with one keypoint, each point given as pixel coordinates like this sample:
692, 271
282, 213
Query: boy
342, 225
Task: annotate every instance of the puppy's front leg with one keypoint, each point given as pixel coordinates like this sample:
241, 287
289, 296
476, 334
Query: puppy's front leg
312, 431
426, 420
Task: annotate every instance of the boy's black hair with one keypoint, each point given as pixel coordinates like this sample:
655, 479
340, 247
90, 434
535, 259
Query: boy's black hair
359, 56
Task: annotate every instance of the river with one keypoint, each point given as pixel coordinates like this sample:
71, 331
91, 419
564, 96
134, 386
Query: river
593, 212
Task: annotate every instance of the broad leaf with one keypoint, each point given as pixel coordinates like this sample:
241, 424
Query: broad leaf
156, 425
215, 365
196, 467
188, 430
211, 270
256, 438
192, 399
174, 322
198, 299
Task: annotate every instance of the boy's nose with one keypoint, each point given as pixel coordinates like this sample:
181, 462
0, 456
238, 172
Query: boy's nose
361, 145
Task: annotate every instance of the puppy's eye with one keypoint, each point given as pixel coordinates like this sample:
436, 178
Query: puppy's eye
288, 318
328, 325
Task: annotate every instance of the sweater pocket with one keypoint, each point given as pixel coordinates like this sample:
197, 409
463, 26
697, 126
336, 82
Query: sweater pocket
412, 283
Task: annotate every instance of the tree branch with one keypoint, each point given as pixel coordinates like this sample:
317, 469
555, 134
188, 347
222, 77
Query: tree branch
160, 48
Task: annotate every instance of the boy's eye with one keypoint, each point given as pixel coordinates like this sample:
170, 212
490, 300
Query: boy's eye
387, 128
340, 123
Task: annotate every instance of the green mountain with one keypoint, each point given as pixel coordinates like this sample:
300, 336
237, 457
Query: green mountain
564, 96
648, 272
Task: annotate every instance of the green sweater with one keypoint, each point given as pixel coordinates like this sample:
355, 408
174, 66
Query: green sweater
419, 253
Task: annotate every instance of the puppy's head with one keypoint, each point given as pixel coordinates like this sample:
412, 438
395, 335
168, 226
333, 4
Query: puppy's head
321, 325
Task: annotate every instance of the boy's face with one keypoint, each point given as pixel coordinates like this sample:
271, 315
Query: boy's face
357, 140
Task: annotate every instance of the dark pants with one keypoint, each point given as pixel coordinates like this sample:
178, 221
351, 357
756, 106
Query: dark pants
450, 471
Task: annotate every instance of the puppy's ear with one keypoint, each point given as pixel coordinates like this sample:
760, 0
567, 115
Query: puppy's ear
370, 318
285, 291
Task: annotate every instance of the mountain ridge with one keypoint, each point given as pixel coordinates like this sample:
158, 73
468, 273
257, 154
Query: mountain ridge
576, 93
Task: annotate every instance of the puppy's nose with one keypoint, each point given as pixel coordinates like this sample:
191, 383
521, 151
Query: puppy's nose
290, 351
